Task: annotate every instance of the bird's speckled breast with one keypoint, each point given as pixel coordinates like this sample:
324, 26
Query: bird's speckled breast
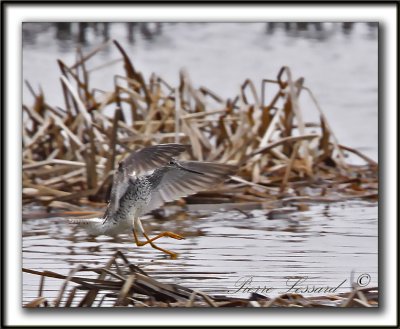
132, 204
135, 199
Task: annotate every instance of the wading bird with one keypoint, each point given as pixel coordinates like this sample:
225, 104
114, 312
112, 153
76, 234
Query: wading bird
144, 181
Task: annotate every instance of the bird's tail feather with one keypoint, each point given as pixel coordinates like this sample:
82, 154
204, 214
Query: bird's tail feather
85, 220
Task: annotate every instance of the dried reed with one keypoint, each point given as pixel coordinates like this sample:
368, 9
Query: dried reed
120, 283
69, 153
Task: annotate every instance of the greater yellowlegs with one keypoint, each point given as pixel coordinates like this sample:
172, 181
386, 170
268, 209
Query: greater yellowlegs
144, 181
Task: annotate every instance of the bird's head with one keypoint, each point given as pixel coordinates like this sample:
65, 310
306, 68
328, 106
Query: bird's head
120, 167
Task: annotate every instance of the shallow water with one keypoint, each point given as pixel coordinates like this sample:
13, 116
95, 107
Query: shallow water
225, 253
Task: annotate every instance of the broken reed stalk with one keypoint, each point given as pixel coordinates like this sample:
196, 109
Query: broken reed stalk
120, 283
95, 130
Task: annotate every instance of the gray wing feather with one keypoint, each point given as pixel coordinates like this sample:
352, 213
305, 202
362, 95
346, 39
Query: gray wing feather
189, 178
119, 187
152, 157
139, 163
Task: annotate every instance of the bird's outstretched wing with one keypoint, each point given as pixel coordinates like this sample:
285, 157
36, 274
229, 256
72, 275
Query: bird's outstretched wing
138, 163
183, 178
152, 157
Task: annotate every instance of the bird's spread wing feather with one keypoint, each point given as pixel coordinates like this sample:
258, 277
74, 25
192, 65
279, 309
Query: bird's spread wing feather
152, 157
185, 178
138, 163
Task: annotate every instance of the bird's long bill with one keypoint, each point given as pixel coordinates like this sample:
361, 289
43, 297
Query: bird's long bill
187, 169
208, 168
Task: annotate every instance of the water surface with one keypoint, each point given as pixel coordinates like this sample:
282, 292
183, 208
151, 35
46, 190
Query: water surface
324, 245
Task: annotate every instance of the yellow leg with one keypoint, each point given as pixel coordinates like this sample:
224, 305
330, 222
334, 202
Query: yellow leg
163, 234
150, 241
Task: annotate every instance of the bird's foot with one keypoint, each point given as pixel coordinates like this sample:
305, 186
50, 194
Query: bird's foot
172, 235
172, 254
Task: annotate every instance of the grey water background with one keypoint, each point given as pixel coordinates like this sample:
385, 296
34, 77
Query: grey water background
325, 243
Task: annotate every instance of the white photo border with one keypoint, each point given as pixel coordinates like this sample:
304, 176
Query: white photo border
384, 13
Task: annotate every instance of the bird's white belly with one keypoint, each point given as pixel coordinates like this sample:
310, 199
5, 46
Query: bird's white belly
138, 209
125, 224
121, 223
109, 228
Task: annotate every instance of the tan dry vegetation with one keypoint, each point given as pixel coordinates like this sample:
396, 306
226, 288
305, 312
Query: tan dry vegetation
69, 153
120, 283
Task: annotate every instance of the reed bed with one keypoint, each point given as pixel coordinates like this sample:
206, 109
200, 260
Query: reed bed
69, 153
122, 284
